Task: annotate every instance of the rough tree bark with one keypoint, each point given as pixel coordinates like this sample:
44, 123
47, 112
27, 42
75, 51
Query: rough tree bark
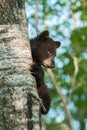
19, 106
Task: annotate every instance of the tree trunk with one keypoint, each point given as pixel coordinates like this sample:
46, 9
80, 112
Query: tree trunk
19, 106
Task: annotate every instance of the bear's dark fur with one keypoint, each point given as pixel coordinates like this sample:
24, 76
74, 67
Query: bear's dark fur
45, 96
43, 50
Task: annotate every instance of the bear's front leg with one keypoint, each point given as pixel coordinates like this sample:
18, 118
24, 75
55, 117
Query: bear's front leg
45, 96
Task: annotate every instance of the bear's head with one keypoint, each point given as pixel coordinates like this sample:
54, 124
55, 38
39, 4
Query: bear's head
44, 49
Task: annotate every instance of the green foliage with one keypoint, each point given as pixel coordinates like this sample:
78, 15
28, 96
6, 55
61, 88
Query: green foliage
79, 40
69, 67
56, 126
84, 15
67, 22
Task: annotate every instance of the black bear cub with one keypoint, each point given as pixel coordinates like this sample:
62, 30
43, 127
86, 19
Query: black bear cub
43, 50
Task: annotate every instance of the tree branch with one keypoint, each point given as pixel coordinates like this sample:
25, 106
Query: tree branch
76, 69
36, 16
67, 112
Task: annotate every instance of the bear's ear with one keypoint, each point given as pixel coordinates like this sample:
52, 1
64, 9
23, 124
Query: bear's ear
57, 44
43, 35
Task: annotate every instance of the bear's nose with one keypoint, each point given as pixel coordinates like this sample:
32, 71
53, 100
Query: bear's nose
53, 65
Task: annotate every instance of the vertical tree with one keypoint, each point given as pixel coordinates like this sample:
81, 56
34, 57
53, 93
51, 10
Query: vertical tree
19, 107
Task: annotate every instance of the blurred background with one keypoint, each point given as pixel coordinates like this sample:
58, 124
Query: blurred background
66, 21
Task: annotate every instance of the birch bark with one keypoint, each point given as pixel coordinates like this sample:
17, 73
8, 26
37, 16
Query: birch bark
19, 106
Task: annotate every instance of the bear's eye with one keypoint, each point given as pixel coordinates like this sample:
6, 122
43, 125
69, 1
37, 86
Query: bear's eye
49, 53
